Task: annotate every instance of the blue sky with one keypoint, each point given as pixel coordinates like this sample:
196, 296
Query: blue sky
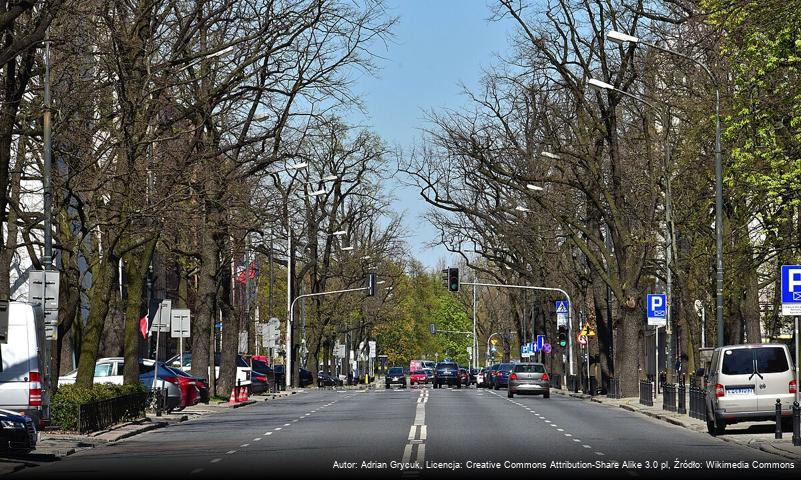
438, 45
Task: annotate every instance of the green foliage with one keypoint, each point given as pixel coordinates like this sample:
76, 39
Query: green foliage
65, 403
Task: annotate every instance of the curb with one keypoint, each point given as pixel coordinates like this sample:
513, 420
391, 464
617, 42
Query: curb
137, 431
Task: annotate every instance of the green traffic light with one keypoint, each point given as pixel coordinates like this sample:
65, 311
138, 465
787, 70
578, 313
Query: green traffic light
562, 343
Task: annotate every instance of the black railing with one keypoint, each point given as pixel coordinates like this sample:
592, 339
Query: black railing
697, 403
647, 393
614, 389
101, 414
669, 397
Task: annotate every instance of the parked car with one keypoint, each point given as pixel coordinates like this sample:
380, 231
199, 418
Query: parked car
529, 378
190, 392
110, 370
325, 379
744, 382
262, 377
418, 377
464, 377
429, 374
21, 386
243, 370
473, 376
395, 376
306, 378
482, 377
501, 378
447, 373
17, 432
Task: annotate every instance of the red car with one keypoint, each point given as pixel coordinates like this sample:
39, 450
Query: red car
418, 377
190, 393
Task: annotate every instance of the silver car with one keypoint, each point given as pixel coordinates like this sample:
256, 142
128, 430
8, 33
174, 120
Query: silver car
744, 382
529, 378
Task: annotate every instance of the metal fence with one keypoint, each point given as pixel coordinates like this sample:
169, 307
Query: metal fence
646, 393
681, 392
669, 397
614, 389
697, 405
101, 414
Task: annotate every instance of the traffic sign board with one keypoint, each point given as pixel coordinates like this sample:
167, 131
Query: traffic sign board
546, 348
582, 340
791, 290
656, 307
540, 342
562, 309
180, 323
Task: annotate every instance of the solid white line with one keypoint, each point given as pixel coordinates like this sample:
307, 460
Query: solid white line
412, 432
423, 432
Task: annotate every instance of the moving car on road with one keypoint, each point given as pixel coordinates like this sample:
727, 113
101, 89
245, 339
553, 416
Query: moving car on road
447, 373
529, 378
501, 378
744, 382
418, 377
395, 376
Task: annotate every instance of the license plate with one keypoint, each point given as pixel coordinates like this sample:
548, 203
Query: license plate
740, 391
394, 379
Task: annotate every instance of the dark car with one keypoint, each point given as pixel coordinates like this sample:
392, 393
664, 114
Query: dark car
325, 379
446, 373
396, 376
306, 377
262, 377
474, 376
501, 378
17, 432
490, 374
464, 377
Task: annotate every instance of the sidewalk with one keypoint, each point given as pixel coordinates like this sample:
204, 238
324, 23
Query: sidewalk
758, 435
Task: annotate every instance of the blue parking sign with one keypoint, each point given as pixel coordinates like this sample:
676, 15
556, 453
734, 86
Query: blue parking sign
656, 308
791, 290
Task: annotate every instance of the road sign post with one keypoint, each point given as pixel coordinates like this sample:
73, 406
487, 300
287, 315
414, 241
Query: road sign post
791, 306
656, 309
180, 328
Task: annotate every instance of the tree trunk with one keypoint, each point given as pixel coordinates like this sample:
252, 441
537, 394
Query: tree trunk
626, 358
136, 266
206, 307
102, 285
230, 335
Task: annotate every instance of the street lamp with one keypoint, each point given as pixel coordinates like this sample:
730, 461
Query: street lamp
620, 37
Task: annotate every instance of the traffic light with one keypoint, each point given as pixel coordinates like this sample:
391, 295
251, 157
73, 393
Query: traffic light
370, 284
562, 336
453, 279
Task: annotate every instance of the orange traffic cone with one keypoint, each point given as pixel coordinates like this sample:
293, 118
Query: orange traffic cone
232, 399
244, 394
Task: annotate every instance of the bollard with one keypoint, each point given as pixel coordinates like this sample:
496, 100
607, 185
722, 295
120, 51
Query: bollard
796, 425
682, 409
778, 433
158, 401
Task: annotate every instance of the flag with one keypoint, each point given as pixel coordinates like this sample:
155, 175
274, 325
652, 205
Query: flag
143, 326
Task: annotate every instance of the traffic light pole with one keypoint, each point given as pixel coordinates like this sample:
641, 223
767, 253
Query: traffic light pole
546, 289
368, 288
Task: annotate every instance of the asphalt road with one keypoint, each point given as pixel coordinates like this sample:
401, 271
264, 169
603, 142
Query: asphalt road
418, 433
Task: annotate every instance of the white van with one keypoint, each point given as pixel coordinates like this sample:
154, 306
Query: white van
21, 376
744, 382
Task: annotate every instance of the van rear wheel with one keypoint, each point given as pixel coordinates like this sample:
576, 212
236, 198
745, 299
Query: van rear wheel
714, 425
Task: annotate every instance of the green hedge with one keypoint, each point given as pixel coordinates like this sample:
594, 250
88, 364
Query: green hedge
64, 406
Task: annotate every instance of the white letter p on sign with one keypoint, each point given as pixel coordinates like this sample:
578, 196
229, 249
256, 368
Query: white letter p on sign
794, 280
656, 301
